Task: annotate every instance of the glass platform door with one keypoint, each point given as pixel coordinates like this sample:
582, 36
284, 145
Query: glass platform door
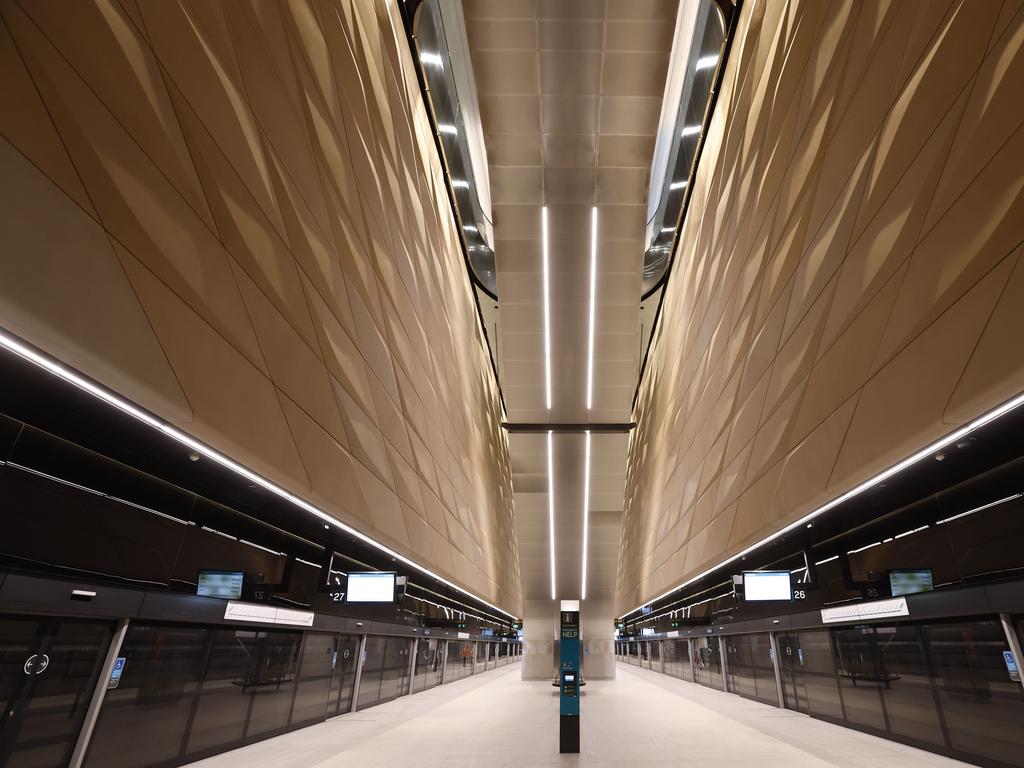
48, 670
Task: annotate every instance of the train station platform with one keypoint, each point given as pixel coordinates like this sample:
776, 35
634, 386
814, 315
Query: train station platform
639, 718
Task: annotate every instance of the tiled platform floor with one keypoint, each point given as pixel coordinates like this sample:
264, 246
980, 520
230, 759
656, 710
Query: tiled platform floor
641, 718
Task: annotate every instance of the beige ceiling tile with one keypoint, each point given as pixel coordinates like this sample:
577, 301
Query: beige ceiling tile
618, 151
569, 221
630, 114
569, 185
571, 35
569, 114
488, 34
513, 149
651, 10
634, 74
506, 73
570, 72
570, 149
516, 184
499, 9
623, 222
622, 185
517, 221
571, 9
639, 36
518, 256
510, 114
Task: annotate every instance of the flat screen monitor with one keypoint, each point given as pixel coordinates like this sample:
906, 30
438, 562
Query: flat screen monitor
907, 581
766, 586
226, 585
370, 587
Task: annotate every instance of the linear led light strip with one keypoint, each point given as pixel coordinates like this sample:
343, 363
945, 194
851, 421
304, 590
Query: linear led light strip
593, 292
928, 450
586, 518
551, 514
547, 306
22, 350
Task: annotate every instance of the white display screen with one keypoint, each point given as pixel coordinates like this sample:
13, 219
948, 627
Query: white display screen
370, 587
910, 582
223, 584
766, 585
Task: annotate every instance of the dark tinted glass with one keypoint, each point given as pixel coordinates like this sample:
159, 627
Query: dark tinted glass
344, 674
740, 665
708, 662
273, 686
982, 707
316, 668
145, 719
428, 663
57, 668
860, 678
820, 684
396, 668
907, 685
226, 691
373, 664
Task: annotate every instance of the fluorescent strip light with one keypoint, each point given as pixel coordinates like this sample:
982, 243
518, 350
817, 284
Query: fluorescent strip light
451, 130
978, 509
260, 546
861, 549
593, 294
551, 512
460, 184
586, 518
667, 229
547, 310
690, 130
312, 564
911, 532
677, 184
19, 348
706, 62
436, 60
928, 450
470, 228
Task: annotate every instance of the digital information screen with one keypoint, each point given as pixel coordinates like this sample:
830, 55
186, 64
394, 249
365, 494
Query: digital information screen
370, 587
909, 582
765, 586
223, 584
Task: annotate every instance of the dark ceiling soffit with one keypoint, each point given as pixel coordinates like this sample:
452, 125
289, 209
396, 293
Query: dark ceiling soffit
568, 428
